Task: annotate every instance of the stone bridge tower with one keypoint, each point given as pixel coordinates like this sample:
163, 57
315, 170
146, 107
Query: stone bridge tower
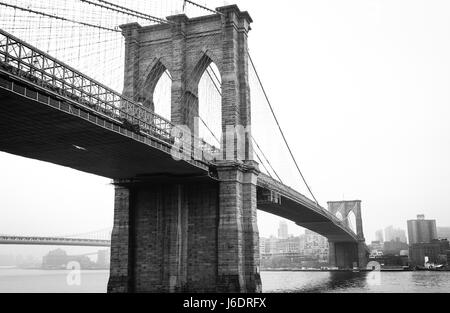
175, 233
344, 254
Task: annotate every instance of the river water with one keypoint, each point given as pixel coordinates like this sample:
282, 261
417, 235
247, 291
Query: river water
48, 281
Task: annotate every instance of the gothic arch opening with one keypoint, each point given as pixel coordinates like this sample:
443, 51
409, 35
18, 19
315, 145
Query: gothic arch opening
155, 91
351, 218
162, 95
210, 103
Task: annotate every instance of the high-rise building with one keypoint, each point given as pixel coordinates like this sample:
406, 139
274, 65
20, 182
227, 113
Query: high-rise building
394, 234
421, 230
379, 235
283, 230
443, 233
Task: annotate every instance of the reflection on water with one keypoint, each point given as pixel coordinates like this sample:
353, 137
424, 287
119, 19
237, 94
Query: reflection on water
52, 281
356, 282
17, 280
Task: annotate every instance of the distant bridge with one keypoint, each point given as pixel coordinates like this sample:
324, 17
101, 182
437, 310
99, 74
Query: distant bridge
53, 241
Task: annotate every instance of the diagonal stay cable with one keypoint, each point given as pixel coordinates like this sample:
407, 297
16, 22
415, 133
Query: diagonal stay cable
262, 152
209, 129
264, 156
262, 163
212, 80
281, 130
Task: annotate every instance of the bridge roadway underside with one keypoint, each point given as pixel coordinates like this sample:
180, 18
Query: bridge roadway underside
307, 218
51, 133
345, 251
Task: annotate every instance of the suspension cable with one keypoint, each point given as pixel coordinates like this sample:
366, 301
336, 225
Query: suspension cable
201, 6
59, 17
214, 73
161, 20
126, 11
262, 163
281, 130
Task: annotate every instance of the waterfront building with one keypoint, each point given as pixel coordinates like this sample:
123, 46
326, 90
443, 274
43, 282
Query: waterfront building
434, 252
391, 261
316, 245
376, 248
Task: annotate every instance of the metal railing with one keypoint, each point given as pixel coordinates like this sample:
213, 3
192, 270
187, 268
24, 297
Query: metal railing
38, 67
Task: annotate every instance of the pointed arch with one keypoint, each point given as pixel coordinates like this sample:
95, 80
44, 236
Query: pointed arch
351, 220
154, 88
214, 59
146, 85
162, 96
204, 61
209, 90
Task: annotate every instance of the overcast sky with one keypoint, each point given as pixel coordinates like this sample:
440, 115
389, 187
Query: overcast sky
362, 89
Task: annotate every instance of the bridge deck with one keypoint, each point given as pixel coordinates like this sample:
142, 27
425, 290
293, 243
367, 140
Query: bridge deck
296, 207
38, 125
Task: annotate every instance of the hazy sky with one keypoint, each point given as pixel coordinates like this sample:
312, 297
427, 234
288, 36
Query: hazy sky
362, 89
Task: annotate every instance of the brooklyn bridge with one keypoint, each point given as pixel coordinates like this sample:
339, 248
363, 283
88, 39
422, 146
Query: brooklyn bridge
184, 207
